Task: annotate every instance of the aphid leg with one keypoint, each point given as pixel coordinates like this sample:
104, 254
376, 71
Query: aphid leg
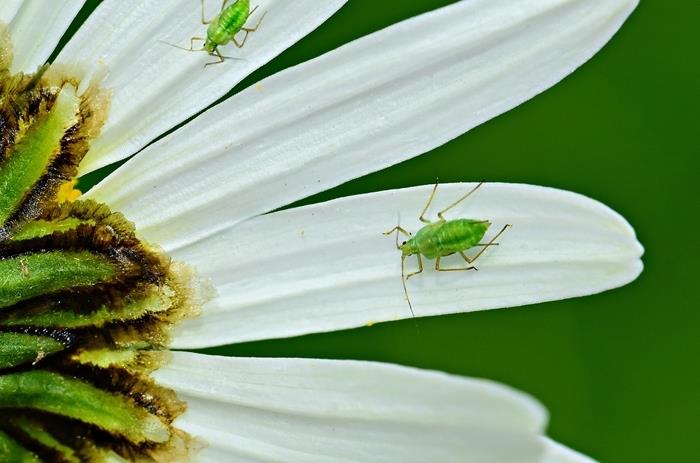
217, 53
242, 42
223, 5
245, 37
204, 21
430, 200
485, 246
403, 282
458, 201
248, 30
420, 267
253, 29
440, 269
192, 43
397, 229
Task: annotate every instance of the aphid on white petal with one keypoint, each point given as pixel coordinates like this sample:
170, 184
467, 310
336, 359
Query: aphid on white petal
443, 238
224, 27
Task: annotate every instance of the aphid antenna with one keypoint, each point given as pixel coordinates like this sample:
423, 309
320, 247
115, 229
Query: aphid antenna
403, 263
403, 281
405, 292
181, 48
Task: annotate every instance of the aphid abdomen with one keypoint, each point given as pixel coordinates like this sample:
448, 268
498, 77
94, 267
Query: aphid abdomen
460, 235
448, 237
229, 22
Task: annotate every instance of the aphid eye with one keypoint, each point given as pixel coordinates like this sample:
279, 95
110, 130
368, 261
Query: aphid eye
403, 243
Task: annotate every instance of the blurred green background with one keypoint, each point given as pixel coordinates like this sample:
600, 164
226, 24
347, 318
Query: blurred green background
618, 371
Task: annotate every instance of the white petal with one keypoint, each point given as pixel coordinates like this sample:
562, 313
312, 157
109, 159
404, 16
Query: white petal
288, 410
557, 453
157, 86
36, 27
8, 10
327, 266
368, 105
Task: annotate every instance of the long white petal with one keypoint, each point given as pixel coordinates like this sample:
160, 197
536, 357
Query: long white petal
557, 453
157, 86
36, 27
370, 104
300, 410
8, 10
327, 266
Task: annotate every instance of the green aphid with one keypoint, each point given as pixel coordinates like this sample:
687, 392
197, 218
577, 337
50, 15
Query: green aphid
224, 27
443, 238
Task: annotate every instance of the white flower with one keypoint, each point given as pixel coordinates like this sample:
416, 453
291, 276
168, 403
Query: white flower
205, 193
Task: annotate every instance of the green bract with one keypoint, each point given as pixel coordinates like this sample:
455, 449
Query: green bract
85, 306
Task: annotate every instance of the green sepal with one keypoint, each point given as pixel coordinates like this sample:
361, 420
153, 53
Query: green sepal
69, 397
41, 228
28, 276
18, 348
69, 317
106, 358
34, 150
40, 435
12, 452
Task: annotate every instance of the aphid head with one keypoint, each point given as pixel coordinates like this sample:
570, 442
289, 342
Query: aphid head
408, 247
209, 46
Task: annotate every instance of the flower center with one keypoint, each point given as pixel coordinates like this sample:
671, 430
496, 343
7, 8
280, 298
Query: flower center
85, 306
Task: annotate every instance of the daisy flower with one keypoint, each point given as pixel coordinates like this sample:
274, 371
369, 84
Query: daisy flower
184, 245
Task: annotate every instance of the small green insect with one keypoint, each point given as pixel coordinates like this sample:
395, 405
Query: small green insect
443, 238
224, 27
